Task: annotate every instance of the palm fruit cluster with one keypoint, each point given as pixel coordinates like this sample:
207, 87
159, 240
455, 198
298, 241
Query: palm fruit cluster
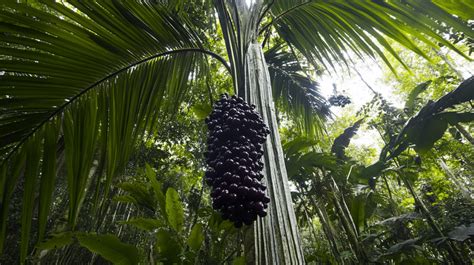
236, 135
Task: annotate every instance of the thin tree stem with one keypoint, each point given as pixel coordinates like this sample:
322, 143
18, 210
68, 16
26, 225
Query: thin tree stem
449, 246
464, 133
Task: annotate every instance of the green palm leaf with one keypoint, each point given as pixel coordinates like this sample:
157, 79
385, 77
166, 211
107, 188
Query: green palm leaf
51, 61
297, 94
324, 30
103, 72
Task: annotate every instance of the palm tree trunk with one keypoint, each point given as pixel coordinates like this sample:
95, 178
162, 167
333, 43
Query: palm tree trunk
276, 236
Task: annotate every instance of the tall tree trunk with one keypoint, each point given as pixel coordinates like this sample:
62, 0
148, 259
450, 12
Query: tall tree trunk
275, 238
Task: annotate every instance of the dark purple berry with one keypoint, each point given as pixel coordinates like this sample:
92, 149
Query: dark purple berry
236, 134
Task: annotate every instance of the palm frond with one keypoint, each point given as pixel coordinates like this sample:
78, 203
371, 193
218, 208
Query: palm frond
324, 30
50, 60
463, 9
94, 74
297, 94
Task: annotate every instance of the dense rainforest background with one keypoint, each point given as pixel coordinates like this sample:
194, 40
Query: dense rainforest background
102, 132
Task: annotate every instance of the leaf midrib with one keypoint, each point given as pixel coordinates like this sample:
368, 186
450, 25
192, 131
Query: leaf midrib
61, 108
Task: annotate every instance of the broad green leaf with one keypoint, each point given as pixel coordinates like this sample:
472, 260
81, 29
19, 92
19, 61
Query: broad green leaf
414, 94
357, 209
297, 146
239, 261
403, 246
429, 132
137, 193
373, 170
226, 225
110, 248
370, 204
147, 224
174, 209
196, 237
343, 140
217, 224
431, 118
157, 187
401, 218
461, 233
57, 241
201, 111
319, 160
168, 248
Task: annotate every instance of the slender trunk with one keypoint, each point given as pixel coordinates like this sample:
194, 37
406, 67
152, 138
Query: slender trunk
452, 177
350, 232
451, 248
344, 207
464, 133
347, 221
449, 63
328, 231
324, 223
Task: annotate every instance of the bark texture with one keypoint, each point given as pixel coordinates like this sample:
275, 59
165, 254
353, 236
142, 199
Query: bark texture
276, 236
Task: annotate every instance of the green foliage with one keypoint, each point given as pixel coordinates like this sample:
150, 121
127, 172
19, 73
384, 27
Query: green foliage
167, 247
57, 241
196, 237
343, 25
102, 100
294, 90
410, 103
342, 141
431, 119
174, 210
147, 224
372, 193
110, 248
461, 233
